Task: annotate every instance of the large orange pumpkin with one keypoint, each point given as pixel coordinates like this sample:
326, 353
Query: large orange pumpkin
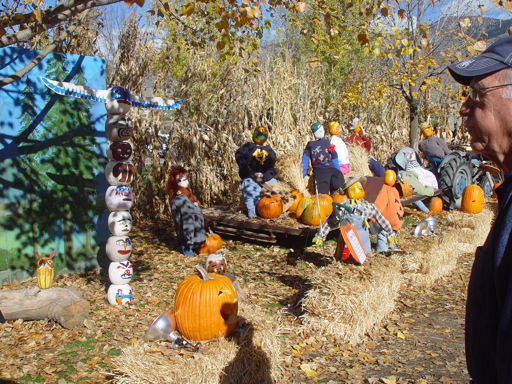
270, 206
212, 244
436, 205
325, 203
295, 203
313, 214
472, 199
206, 306
303, 204
405, 188
494, 195
339, 198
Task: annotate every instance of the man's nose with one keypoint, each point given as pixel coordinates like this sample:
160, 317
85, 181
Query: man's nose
465, 108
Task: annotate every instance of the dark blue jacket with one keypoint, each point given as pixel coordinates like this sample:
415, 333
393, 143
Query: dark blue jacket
489, 303
256, 158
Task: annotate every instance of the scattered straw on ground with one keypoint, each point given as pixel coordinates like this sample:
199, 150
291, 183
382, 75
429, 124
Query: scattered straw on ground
348, 301
358, 161
253, 354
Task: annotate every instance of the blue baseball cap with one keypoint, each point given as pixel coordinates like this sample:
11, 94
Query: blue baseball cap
494, 58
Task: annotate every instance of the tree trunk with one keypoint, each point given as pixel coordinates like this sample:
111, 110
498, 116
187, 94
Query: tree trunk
67, 231
414, 106
66, 306
34, 221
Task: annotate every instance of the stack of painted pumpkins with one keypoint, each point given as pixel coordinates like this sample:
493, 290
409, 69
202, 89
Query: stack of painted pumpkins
119, 199
314, 210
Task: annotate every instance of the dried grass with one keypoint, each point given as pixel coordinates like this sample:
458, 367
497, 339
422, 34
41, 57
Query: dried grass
237, 197
358, 161
348, 301
289, 170
255, 355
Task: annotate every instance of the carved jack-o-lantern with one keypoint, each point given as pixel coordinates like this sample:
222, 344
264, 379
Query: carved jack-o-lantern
120, 272
216, 263
119, 198
120, 223
118, 127
119, 294
118, 248
119, 151
44, 270
119, 172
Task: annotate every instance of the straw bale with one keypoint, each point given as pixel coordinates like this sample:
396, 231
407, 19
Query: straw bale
348, 301
289, 170
252, 354
358, 161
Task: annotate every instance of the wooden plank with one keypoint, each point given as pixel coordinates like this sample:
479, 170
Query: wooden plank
413, 199
245, 234
372, 188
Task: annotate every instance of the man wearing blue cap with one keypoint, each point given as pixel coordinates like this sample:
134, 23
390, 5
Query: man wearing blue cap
488, 114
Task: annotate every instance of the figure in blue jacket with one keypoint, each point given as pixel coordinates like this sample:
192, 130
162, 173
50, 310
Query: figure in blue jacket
256, 165
324, 160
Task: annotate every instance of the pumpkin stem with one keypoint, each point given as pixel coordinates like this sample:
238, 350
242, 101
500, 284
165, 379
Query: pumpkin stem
204, 274
211, 232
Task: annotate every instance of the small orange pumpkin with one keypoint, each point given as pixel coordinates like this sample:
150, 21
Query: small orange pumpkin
303, 204
206, 306
295, 203
212, 244
472, 199
436, 205
494, 195
325, 203
270, 206
406, 189
339, 198
390, 177
313, 214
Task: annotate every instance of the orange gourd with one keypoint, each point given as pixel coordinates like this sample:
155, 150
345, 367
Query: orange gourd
270, 206
494, 195
295, 203
313, 214
472, 199
436, 205
212, 244
206, 306
303, 204
325, 203
339, 198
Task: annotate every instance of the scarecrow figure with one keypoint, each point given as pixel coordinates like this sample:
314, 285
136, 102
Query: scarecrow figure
186, 211
324, 160
256, 165
358, 211
359, 137
340, 147
433, 148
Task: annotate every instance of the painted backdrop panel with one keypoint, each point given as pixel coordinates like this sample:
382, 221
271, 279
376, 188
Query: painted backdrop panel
52, 159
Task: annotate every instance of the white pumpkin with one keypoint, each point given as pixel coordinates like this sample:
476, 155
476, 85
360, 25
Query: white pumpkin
120, 272
120, 223
118, 127
119, 294
118, 248
119, 151
119, 172
216, 263
119, 198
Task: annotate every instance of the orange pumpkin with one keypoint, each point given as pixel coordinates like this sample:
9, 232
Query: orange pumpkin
436, 205
270, 206
313, 214
339, 198
406, 189
325, 203
295, 203
206, 306
390, 177
212, 244
494, 195
303, 204
472, 199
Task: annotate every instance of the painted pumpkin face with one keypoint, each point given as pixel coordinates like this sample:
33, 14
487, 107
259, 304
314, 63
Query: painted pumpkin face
119, 248
119, 198
182, 180
119, 151
216, 263
120, 272
120, 223
119, 173
119, 100
119, 294
44, 270
355, 191
118, 127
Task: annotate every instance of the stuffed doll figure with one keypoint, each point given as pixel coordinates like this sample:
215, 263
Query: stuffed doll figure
186, 211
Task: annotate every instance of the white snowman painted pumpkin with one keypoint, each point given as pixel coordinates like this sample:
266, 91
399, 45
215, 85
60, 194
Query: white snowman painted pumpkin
118, 127
119, 172
120, 272
118, 248
120, 223
119, 198
119, 294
